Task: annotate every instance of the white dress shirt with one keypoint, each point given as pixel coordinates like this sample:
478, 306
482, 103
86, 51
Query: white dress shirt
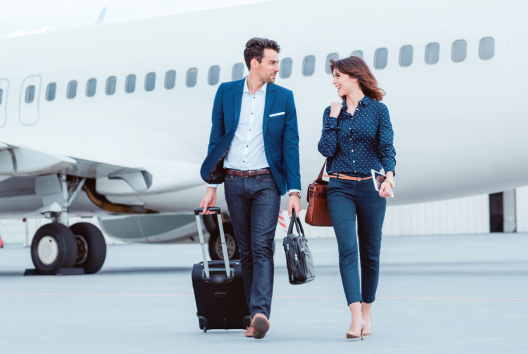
246, 151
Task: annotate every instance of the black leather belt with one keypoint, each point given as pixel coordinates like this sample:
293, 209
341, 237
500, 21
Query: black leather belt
245, 174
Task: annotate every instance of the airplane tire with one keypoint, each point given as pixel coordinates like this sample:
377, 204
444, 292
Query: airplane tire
91, 247
215, 245
53, 247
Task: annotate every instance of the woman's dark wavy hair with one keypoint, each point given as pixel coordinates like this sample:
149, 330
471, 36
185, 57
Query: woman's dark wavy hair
355, 67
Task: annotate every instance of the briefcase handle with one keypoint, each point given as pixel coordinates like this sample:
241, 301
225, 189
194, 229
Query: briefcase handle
295, 220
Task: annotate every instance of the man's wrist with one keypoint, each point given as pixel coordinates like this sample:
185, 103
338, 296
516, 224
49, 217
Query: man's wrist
294, 192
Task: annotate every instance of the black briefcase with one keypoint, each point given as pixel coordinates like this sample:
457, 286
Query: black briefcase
298, 256
219, 288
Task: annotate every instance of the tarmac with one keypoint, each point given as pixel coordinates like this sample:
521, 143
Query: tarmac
437, 294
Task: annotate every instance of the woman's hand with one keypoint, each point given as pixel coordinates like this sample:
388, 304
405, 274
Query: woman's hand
385, 190
335, 109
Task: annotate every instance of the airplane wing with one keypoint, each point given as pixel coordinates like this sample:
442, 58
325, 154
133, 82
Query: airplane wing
20, 165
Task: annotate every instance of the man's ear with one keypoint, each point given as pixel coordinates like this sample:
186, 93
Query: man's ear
254, 63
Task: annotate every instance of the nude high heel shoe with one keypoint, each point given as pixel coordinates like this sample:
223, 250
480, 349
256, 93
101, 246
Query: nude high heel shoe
368, 331
357, 334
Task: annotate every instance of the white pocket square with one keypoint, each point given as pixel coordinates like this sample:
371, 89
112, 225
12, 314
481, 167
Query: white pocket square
276, 114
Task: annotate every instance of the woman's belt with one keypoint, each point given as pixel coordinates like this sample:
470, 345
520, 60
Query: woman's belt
341, 176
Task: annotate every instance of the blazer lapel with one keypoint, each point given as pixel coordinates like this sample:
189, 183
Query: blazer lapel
270, 95
239, 90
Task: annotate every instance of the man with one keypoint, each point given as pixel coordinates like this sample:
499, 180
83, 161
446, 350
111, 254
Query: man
254, 151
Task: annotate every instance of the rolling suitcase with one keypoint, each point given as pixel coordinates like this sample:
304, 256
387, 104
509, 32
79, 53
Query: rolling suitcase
219, 288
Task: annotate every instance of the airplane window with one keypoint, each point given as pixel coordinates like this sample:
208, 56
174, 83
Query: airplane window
380, 58
285, 68
406, 55
170, 79
150, 81
90, 87
30, 94
1, 95
192, 75
432, 53
72, 89
50, 91
308, 65
110, 85
214, 75
130, 84
330, 56
357, 53
238, 72
487, 48
459, 49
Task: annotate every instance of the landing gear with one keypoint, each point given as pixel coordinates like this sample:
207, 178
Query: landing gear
53, 247
56, 245
215, 244
91, 247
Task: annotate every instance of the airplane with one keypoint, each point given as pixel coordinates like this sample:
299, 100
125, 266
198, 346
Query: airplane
112, 120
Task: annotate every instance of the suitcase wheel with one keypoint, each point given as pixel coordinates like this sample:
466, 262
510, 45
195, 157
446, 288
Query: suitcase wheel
205, 329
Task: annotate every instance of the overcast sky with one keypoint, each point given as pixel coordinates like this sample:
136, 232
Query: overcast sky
31, 15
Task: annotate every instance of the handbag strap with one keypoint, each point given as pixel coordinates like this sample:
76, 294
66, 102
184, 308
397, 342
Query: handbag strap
322, 171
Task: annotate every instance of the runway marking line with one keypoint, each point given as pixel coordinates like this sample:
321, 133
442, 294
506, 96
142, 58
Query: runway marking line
278, 296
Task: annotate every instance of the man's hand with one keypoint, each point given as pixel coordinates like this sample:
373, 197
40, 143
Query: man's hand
335, 109
209, 200
294, 203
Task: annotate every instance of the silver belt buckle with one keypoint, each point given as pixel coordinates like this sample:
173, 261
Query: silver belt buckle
242, 174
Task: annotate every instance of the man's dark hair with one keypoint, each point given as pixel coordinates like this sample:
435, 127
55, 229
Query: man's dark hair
255, 49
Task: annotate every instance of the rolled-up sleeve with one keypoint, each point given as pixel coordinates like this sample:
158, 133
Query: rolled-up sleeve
387, 153
328, 142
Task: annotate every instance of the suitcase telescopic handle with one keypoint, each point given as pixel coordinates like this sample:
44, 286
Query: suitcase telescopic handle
218, 213
216, 210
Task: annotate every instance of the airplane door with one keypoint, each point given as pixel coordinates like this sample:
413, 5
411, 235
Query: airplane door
4, 86
29, 100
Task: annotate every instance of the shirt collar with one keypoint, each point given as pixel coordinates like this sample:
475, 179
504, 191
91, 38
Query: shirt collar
364, 102
263, 88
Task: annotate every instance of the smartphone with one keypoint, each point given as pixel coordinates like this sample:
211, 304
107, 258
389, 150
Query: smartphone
378, 178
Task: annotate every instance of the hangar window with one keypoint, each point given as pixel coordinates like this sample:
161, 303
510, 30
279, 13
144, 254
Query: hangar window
238, 72
214, 75
150, 81
380, 58
50, 91
432, 53
1, 95
308, 67
30, 94
110, 85
329, 57
90, 87
192, 76
357, 53
406, 55
487, 48
130, 84
459, 50
71, 92
170, 79
286, 68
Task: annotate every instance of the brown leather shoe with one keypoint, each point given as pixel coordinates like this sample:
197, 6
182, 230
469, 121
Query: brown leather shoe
261, 325
250, 332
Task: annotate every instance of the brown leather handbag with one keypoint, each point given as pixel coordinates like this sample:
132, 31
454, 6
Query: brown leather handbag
317, 213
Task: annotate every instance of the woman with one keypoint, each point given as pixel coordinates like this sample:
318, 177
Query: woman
357, 138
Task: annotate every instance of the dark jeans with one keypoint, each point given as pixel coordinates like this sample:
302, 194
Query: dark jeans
254, 204
346, 199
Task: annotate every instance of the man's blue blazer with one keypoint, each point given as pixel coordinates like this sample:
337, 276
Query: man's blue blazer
281, 136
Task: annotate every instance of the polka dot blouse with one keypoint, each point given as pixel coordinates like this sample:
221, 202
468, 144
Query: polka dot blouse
357, 143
